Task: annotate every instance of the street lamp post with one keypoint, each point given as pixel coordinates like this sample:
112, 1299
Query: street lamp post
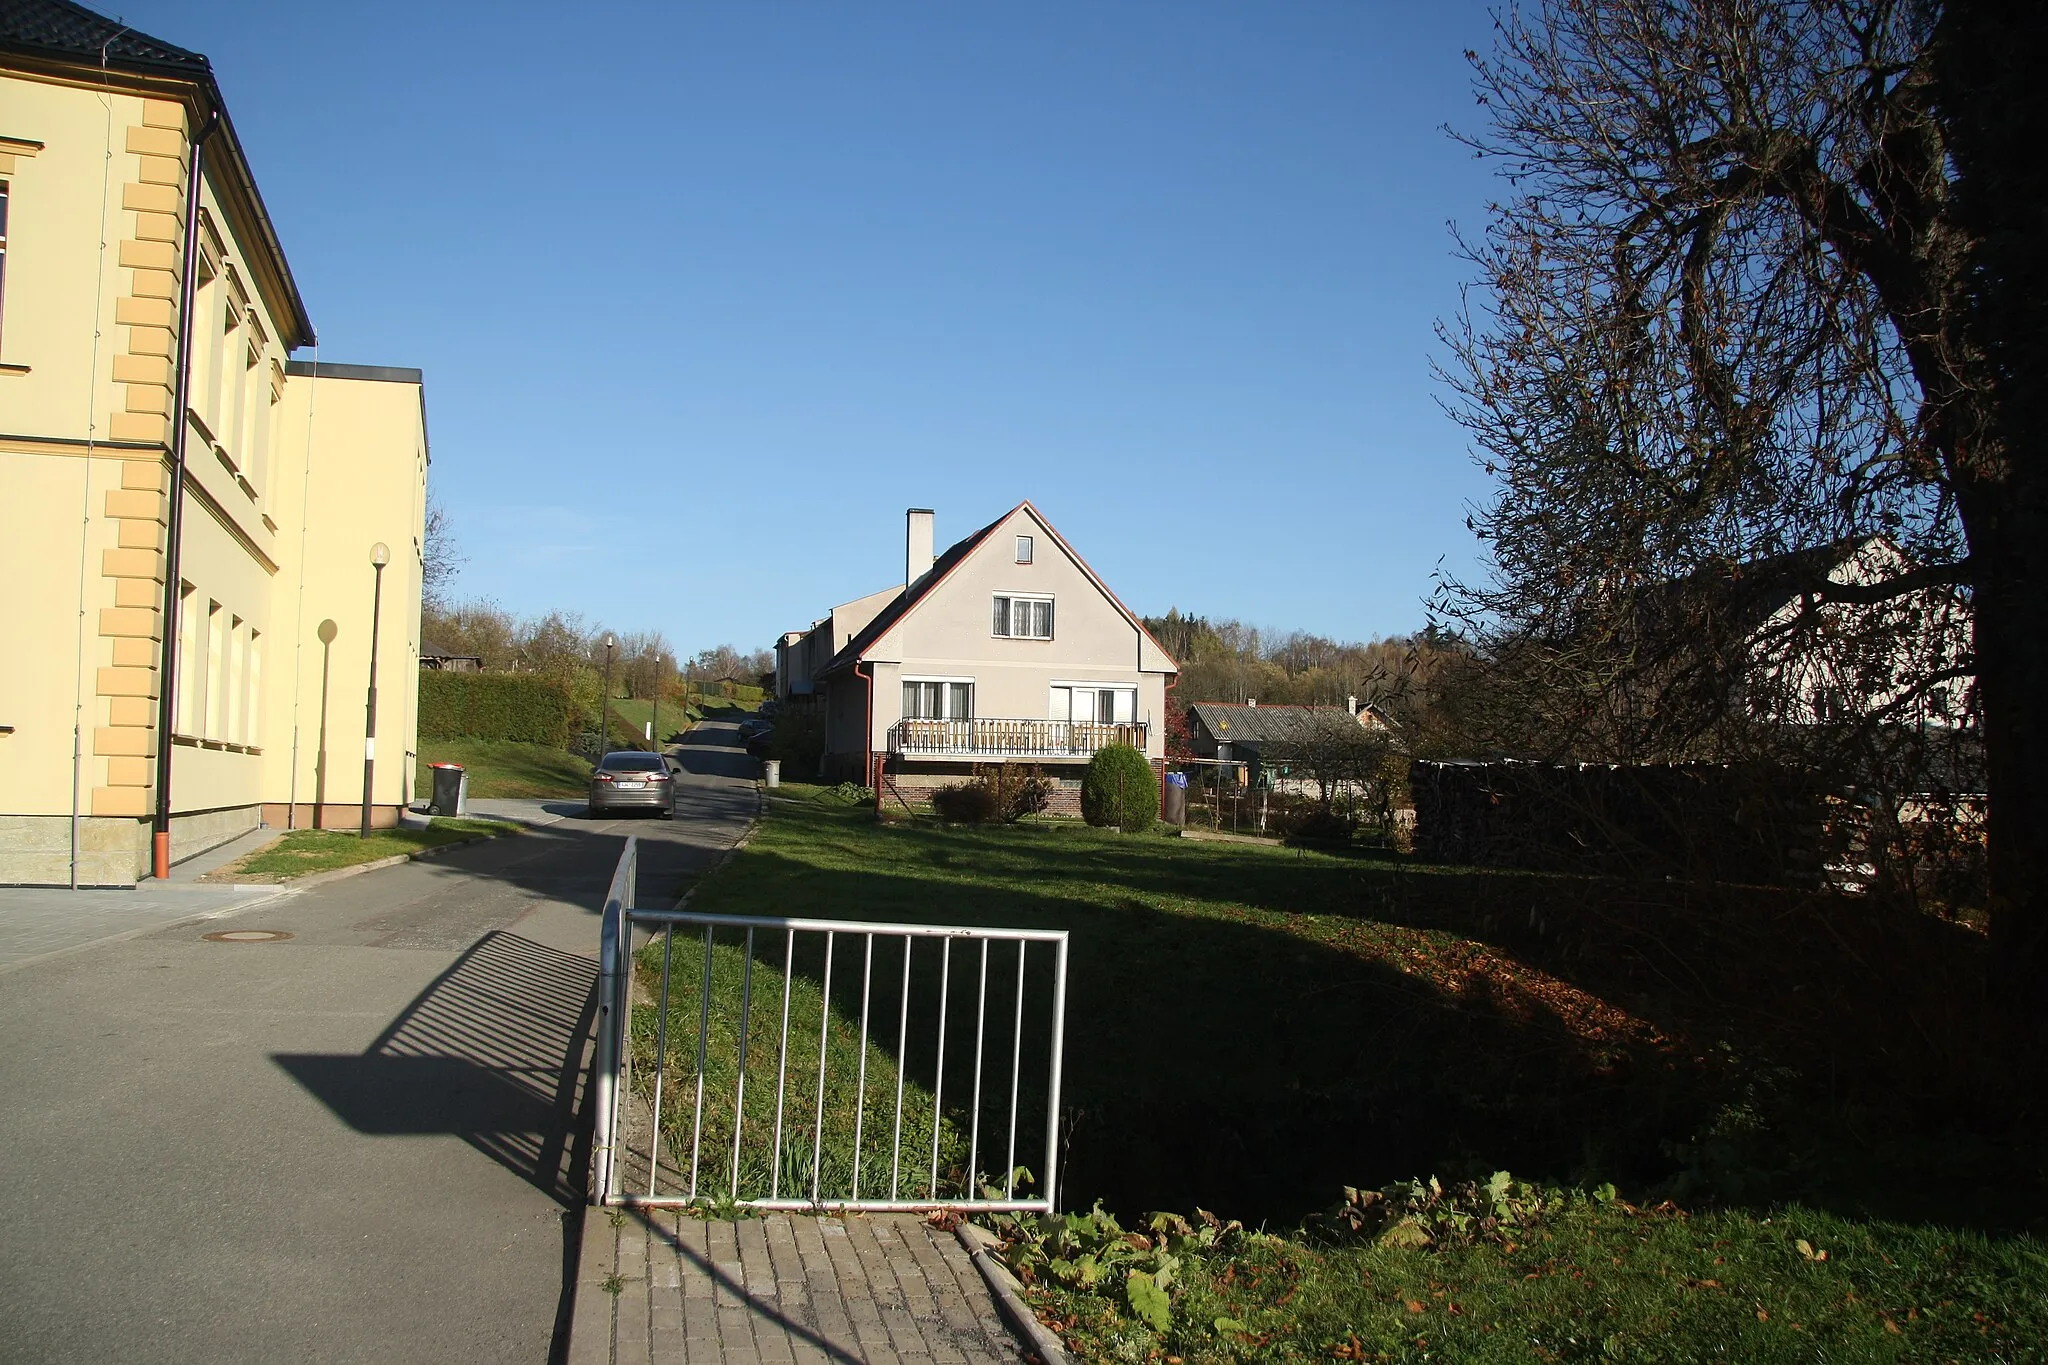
654, 726
379, 557
604, 703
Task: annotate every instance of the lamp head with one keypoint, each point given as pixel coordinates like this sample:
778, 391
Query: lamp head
610, 642
379, 554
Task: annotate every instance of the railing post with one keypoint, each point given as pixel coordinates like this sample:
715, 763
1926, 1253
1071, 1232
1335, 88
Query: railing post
614, 947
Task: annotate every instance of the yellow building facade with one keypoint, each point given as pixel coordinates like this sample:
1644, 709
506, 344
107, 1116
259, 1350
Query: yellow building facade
110, 385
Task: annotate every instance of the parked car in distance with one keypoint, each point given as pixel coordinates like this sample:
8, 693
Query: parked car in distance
761, 741
753, 726
632, 781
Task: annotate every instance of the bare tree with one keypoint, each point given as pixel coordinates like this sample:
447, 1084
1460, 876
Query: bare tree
441, 558
482, 628
1341, 757
1740, 317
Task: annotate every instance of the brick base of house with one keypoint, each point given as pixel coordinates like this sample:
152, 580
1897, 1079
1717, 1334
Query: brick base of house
916, 787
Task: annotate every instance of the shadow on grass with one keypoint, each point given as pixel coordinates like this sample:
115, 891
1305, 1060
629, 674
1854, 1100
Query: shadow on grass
1252, 1029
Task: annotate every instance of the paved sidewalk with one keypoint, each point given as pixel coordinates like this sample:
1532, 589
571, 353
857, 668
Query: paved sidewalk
885, 1290
37, 923
527, 811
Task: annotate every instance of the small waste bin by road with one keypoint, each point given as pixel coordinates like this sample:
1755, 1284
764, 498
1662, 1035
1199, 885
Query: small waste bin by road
451, 790
1176, 807
771, 771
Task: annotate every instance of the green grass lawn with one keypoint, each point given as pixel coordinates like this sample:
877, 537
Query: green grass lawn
505, 769
1253, 1029
301, 852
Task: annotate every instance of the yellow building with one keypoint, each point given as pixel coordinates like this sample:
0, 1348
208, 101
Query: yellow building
178, 498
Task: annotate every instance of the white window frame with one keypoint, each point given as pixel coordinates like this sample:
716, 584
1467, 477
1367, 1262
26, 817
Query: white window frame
1095, 685
953, 679
1025, 546
1052, 624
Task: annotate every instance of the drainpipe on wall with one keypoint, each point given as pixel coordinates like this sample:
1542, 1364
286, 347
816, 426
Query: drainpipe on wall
867, 738
167, 673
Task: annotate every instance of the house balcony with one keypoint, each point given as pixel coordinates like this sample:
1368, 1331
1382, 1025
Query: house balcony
991, 740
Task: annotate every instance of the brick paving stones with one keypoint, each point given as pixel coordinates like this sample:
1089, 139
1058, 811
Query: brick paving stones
787, 1289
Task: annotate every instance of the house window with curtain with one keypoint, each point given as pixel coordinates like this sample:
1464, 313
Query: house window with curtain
937, 699
1023, 618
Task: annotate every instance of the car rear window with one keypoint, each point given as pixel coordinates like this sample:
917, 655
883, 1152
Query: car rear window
633, 763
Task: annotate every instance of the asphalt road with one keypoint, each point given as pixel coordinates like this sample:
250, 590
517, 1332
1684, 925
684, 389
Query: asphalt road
359, 1143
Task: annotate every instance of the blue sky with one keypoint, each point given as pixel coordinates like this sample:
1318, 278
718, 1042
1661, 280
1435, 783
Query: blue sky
748, 279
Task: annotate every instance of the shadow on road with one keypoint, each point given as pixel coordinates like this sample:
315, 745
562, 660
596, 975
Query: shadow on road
491, 1052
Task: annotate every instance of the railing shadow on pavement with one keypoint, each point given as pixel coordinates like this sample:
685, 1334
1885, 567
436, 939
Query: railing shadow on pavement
492, 1052
738, 1289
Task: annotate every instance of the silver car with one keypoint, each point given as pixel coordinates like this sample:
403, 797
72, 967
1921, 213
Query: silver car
632, 781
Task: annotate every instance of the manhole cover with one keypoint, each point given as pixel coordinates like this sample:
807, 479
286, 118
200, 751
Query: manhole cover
247, 936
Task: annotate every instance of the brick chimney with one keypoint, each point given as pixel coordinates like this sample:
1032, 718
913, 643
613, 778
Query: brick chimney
917, 544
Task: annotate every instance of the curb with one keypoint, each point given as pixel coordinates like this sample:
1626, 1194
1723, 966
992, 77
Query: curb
593, 1322
1010, 1296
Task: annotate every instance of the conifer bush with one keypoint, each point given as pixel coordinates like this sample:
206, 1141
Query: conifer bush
1120, 790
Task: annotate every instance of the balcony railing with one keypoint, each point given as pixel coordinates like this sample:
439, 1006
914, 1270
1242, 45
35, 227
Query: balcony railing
992, 738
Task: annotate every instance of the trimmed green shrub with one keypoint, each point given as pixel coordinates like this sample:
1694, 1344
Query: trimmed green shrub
508, 706
1120, 790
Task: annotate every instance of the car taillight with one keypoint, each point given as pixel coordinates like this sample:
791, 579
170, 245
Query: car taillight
657, 777
602, 777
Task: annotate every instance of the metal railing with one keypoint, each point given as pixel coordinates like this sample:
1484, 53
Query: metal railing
991, 737
821, 1144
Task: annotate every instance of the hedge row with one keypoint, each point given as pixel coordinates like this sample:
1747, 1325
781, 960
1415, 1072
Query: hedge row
514, 706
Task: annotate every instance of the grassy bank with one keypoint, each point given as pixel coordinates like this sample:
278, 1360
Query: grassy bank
1252, 1029
505, 769
1593, 1279
302, 852
860, 1099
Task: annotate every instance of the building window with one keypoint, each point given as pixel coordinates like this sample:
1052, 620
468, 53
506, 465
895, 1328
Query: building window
252, 677
213, 697
1092, 705
1024, 618
3, 250
191, 687
1023, 549
937, 699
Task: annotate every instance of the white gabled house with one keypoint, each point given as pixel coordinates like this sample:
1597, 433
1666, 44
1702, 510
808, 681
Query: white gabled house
1007, 647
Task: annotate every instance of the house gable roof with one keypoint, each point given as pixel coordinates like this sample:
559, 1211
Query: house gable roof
886, 620
1256, 725
59, 36
59, 28
888, 616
